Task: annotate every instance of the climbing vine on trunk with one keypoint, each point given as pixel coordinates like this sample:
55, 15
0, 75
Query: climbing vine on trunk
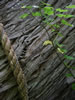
48, 15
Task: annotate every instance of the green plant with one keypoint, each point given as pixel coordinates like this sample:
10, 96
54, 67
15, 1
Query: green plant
47, 12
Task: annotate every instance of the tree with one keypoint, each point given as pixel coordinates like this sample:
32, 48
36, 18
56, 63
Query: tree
43, 69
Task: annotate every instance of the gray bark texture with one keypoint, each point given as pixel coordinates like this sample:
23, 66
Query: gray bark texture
44, 71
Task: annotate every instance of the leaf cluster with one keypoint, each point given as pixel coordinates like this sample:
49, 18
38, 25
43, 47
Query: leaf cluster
47, 12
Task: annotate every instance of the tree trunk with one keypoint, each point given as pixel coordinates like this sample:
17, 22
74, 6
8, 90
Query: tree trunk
44, 71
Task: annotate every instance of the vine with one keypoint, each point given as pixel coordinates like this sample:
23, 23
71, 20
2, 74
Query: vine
48, 14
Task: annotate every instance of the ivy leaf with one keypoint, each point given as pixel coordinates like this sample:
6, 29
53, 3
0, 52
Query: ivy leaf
69, 57
68, 75
48, 10
24, 15
66, 23
47, 42
71, 6
36, 13
61, 10
73, 86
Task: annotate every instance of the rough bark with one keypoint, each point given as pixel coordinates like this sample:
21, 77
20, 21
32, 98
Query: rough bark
44, 71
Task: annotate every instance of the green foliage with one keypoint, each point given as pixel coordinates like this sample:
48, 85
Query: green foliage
66, 23
68, 75
69, 57
60, 15
73, 67
69, 16
61, 10
73, 86
47, 42
56, 25
62, 50
52, 30
71, 6
68, 66
48, 10
24, 16
60, 34
28, 7
59, 45
65, 16
47, 13
36, 14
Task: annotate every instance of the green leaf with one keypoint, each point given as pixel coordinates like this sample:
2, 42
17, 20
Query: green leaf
48, 10
65, 16
36, 13
68, 75
68, 66
66, 23
73, 86
71, 6
69, 16
69, 57
73, 67
60, 15
45, 21
47, 42
59, 45
62, 50
52, 30
56, 25
28, 7
24, 15
59, 34
61, 10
